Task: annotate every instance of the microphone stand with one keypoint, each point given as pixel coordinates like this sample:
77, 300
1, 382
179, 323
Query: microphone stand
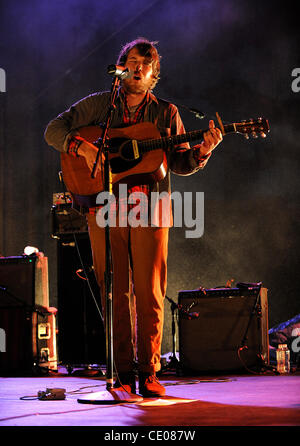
111, 395
173, 361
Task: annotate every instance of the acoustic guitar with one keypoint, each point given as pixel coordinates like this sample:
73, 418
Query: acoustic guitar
137, 155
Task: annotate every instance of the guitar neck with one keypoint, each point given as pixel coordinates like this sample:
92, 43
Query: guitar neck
166, 141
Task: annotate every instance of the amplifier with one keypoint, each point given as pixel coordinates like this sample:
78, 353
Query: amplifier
24, 281
66, 217
67, 220
28, 344
223, 329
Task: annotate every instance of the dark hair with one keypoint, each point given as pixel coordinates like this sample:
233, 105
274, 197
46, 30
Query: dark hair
145, 49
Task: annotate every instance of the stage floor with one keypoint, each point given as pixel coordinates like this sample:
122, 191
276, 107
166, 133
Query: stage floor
227, 400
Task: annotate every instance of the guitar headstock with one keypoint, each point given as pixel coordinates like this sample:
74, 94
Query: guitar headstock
253, 127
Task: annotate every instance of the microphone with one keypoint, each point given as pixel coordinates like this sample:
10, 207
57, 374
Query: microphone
119, 71
199, 114
190, 316
186, 314
193, 315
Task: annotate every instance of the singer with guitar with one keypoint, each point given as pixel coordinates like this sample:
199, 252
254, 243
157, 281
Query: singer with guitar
139, 254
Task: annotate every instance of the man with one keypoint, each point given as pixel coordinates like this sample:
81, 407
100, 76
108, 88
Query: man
139, 254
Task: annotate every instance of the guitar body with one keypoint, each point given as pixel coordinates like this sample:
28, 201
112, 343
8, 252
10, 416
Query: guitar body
148, 167
136, 156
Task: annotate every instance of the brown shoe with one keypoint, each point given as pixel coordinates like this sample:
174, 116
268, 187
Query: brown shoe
126, 381
150, 386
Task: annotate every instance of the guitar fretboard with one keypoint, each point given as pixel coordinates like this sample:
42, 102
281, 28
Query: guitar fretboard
167, 141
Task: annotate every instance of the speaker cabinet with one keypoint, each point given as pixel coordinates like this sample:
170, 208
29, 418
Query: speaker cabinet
81, 339
210, 337
24, 280
28, 325
28, 344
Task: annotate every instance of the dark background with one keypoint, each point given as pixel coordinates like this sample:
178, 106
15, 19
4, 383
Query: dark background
231, 56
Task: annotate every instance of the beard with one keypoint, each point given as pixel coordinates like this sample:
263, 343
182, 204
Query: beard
137, 87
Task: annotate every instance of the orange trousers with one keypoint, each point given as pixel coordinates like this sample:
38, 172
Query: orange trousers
139, 258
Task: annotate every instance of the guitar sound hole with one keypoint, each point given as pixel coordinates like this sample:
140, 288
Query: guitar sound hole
126, 151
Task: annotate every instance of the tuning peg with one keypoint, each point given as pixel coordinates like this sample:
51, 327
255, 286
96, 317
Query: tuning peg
246, 135
263, 135
254, 135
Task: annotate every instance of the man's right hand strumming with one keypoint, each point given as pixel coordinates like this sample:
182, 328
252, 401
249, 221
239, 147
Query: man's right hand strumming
89, 152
